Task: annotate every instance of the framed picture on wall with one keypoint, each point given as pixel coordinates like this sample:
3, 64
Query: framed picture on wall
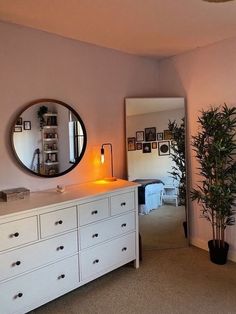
154, 145
27, 125
19, 121
140, 136
147, 148
131, 141
168, 135
150, 134
139, 146
160, 136
18, 128
164, 148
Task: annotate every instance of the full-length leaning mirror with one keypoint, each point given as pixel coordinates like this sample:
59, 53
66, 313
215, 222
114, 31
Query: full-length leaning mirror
48, 138
150, 149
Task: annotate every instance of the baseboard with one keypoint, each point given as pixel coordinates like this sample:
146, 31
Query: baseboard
199, 243
203, 245
232, 256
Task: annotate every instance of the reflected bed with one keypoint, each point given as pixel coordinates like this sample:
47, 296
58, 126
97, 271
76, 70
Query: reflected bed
149, 194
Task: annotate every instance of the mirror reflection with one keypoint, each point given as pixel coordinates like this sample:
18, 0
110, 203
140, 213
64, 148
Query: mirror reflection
48, 138
154, 161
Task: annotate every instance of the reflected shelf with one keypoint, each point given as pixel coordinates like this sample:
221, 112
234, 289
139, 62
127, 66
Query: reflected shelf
50, 127
50, 139
51, 163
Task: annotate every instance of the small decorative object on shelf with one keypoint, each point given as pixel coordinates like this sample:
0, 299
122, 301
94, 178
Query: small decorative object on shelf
50, 135
14, 194
50, 119
60, 188
52, 170
53, 157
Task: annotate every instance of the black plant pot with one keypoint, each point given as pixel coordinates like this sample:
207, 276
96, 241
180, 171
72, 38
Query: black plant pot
218, 255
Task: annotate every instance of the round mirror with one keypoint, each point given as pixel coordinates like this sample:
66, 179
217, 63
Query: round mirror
48, 138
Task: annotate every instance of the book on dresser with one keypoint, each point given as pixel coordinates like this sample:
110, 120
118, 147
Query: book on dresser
52, 243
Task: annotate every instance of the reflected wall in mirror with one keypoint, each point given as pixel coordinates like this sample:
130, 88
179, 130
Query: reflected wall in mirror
48, 138
150, 163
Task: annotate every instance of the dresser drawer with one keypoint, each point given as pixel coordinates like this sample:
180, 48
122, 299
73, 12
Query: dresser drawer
46, 283
58, 221
122, 203
35, 255
18, 232
105, 230
93, 211
96, 260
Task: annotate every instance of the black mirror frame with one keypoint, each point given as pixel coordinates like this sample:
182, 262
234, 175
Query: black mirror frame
74, 113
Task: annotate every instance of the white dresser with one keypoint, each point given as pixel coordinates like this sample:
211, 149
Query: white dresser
51, 243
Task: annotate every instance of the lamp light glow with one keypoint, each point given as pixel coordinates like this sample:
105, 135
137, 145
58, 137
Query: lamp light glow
112, 178
102, 156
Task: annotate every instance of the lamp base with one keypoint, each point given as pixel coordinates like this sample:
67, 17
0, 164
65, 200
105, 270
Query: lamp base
110, 179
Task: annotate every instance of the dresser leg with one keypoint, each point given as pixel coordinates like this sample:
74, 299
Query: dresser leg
136, 263
140, 248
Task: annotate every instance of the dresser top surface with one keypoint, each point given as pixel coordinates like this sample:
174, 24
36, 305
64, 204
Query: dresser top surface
77, 192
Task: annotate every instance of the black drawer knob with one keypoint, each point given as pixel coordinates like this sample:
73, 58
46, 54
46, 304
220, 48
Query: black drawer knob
94, 212
61, 247
17, 263
95, 235
59, 222
62, 276
19, 295
123, 204
96, 261
124, 249
14, 235
123, 225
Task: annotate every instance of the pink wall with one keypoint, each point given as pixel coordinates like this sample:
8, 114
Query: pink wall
93, 80
205, 76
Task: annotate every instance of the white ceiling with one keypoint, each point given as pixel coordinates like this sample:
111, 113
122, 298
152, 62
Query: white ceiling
137, 106
155, 28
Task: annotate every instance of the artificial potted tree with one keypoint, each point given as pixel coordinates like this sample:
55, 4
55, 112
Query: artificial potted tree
178, 151
214, 145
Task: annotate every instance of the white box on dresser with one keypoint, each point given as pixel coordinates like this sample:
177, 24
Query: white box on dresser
52, 243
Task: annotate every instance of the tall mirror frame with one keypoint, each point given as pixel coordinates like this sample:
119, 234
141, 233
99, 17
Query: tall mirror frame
48, 138
162, 216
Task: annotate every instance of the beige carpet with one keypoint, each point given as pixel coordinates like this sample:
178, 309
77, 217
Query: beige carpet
162, 228
176, 281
